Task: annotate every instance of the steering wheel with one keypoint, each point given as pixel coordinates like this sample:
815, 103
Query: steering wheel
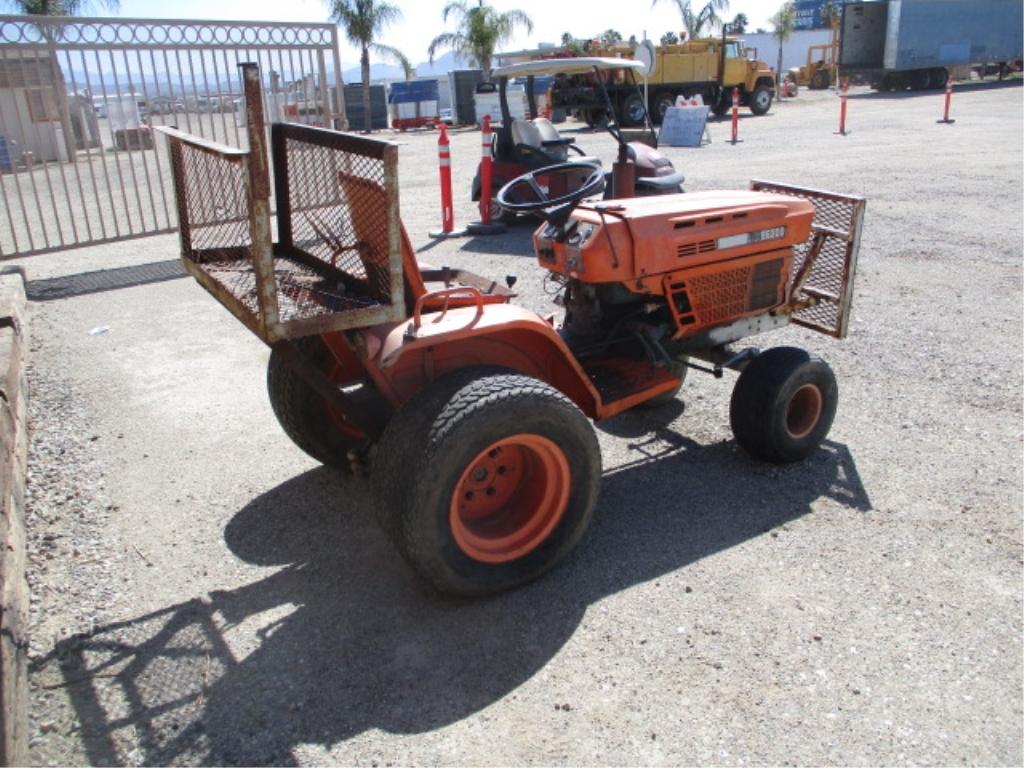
554, 210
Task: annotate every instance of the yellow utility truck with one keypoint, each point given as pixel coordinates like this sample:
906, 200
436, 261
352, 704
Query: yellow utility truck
709, 67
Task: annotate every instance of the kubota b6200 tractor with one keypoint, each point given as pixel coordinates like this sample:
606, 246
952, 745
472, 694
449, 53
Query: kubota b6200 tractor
473, 415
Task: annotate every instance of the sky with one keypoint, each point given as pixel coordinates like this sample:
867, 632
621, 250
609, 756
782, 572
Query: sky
422, 18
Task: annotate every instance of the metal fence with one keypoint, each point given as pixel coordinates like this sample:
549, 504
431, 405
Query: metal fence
80, 163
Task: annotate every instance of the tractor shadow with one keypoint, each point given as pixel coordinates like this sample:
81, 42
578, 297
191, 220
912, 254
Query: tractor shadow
343, 638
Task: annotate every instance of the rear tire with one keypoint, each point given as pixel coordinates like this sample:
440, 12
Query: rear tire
920, 80
783, 404
486, 480
662, 102
313, 425
595, 118
819, 81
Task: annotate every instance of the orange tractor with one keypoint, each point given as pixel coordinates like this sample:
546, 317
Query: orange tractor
472, 414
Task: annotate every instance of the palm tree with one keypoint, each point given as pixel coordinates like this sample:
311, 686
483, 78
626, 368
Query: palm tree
784, 22
479, 31
364, 21
738, 26
706, 18
56, 7
610, 37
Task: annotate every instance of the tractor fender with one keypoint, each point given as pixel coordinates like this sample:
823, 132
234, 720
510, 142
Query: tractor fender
405, 359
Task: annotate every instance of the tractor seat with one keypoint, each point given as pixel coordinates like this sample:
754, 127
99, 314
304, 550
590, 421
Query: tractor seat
367, 212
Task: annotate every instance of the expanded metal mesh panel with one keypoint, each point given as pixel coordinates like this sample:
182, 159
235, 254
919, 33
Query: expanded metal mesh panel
830, 281
213, 198
335, 205
338, 262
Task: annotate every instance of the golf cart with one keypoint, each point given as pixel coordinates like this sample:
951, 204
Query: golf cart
521, 146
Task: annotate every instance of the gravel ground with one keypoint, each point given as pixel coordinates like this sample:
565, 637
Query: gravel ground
205, 594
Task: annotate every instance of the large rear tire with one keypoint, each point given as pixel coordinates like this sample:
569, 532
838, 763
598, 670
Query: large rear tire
313, 425
819, 80
486, 480
783, 404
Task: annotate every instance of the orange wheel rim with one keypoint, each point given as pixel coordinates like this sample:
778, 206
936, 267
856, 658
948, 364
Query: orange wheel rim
803, 411
509, 498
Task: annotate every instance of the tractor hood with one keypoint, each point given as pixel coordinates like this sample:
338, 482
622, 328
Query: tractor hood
630, 239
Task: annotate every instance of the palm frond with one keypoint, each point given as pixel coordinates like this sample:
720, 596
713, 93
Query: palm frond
390, 52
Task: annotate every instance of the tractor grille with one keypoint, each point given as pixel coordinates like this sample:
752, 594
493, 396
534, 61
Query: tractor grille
707, 296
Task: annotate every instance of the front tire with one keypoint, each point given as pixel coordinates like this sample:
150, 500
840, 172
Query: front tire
633, 111
783, 404
486, 480
761, 100
820, 80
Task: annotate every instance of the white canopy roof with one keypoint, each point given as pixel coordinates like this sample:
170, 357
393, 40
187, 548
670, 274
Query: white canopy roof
574, 66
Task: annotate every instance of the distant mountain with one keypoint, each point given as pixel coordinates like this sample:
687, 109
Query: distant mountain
351, 73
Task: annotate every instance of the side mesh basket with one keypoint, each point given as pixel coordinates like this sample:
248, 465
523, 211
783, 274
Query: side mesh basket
827, 289
338, 264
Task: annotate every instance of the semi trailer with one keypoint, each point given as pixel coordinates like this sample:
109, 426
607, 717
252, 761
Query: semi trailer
900, 44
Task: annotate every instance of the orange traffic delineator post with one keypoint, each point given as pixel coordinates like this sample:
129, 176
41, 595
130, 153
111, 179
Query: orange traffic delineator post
842, 108
444, 159
485, 226
735, 116
949, 97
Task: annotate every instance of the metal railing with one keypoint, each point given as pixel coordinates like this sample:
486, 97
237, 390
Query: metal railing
79, 99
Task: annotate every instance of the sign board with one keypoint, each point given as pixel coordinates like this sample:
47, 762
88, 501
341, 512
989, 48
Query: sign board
645, 54
683, 127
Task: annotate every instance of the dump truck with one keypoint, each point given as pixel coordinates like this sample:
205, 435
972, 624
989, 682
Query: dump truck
898, 44
708, 67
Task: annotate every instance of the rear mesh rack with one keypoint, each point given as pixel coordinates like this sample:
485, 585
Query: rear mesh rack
338, 262
827, 288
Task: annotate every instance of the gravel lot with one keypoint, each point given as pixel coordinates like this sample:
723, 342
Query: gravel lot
205, 594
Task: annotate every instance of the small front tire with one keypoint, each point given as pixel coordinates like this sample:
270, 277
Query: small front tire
783, 404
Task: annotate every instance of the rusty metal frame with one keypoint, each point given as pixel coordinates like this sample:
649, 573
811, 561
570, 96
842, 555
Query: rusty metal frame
253, 256
838, 219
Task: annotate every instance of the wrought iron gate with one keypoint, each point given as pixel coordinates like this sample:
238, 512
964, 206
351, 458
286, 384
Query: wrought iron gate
80, 163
